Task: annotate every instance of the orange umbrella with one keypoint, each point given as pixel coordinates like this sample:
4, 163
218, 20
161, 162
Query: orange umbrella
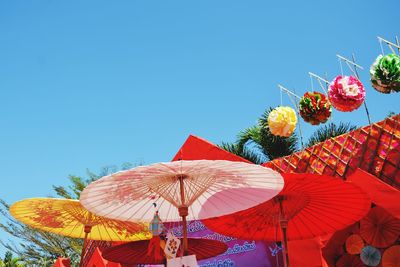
379, 228
354, 244
68, 218
391, 257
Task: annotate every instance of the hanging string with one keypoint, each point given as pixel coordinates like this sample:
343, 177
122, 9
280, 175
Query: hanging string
312, 83
365, 102
380, 43
341, 67
322, 86
398, 44
320, 80
391, 45
298, 114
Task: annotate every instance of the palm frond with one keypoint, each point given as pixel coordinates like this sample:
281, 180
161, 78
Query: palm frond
275, 146
243, 152
249, 135
328, 131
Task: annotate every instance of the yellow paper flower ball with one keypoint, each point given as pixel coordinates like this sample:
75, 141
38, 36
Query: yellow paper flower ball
282, 121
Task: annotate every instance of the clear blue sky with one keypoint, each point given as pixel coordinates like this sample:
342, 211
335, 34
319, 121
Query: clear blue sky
84, 84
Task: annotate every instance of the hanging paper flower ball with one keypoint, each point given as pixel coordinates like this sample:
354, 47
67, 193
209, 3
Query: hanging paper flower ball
346, 93
385, 73
315, 108
282, 121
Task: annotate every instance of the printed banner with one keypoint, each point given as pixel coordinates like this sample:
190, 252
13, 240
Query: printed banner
240, 252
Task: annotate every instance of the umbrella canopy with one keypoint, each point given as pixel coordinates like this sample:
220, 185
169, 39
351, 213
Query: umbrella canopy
354, 244
68, 218
309, 205
379, 228
180, 188
349, 261
370, 256
137, 253
128, 195
391, 257
313, 205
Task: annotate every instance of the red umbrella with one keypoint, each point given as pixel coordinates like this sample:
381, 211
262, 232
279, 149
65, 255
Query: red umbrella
379, 228
137, 252
391, 257
348, 260
354, 244
308, 206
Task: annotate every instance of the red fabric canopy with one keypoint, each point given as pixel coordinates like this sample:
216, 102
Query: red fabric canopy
380, 193
196, 148
313, 205
137, 252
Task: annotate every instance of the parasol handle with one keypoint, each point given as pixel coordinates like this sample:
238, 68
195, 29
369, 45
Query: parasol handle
183, 212
184, 228
284, 223
87, 230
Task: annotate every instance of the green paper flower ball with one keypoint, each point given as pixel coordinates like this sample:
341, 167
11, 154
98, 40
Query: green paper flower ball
385, 73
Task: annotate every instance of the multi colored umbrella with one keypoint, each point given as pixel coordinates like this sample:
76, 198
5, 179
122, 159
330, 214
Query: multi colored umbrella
309, 205
379, 228
370, 256
68, 218
179, 189
137, 253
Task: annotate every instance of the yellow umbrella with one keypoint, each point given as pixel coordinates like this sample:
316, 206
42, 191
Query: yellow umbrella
69, 218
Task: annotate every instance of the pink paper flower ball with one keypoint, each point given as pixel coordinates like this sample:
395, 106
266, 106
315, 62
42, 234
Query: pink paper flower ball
346, 93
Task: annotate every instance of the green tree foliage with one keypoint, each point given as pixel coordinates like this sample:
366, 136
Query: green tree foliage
258, 145
39, 248
10, 261
329, 130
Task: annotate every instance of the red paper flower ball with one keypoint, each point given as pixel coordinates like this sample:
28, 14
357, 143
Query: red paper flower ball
346, 93
315, 108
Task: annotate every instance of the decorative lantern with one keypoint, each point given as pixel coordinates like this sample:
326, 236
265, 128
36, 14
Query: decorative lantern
156, 226
346, 93
385, 73
282, 121
154, 248
315, 108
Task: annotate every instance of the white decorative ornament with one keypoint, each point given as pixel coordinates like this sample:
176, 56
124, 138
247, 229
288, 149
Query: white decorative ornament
172, 245
186, 261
